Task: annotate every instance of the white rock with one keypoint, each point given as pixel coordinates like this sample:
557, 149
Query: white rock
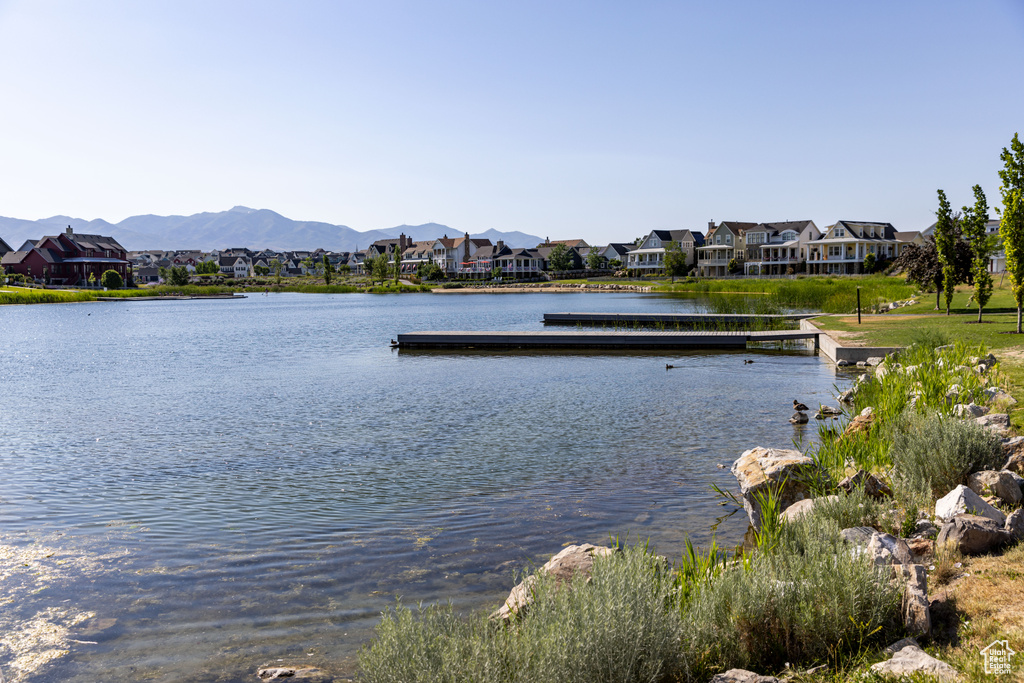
911, 660
963, 501
886, 549
867, 412
875, 360
969, 410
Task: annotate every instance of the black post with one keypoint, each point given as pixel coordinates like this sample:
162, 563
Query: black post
858, 305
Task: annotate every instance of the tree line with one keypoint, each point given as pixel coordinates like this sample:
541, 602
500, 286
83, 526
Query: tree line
959, 250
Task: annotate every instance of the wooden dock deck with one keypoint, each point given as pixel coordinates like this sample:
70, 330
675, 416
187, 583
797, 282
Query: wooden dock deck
666, 318
577, 339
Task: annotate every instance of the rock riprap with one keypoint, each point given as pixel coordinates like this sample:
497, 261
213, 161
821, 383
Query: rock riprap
784, 473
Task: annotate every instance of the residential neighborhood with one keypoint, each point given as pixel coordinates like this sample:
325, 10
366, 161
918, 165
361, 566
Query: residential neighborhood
725, 249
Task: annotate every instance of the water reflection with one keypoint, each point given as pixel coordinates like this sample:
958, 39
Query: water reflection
273, 474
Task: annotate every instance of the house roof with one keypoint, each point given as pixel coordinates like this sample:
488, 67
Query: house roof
4, 247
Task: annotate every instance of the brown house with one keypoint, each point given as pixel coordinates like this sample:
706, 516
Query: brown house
68, 259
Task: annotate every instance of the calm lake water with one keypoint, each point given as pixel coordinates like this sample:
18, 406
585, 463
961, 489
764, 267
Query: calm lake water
241, 482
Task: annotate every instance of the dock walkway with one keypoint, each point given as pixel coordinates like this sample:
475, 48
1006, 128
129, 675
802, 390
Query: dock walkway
667, 318
634, 339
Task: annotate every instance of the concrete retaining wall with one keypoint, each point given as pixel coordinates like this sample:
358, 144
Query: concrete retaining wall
831, 348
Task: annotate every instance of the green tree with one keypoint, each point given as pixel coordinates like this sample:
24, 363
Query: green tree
869, 263
1011, 222
559, 258
308, 263
207, 268
615, 264
595, 261
277, 266
981, 243
328, 270
397, 253
164, 273
179, 276
92, 277
430, 271
261, 270
675, 260
734, 267
945, 243
111, 279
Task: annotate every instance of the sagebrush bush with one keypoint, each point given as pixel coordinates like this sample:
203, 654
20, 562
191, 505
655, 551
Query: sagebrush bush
932, 454
807, 600
621, 626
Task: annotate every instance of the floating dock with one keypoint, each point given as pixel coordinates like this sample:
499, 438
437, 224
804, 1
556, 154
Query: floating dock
629, 339
667, 318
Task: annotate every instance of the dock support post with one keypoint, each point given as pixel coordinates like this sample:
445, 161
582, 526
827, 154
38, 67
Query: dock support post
858, 305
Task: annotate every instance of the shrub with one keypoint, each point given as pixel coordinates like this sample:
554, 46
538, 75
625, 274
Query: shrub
621, 626
806, 600
931, 454
112, 280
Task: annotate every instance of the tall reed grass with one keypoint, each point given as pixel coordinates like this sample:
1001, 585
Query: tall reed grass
812, 293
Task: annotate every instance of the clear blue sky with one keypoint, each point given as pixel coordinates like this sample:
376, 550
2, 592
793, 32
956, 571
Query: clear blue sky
600, 120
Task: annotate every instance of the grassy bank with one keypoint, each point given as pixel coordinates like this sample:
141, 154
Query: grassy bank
800, 598
24, 295
814, 293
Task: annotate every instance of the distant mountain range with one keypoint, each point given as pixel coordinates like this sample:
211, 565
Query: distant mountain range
239, 227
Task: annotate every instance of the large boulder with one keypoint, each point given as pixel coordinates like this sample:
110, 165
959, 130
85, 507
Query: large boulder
917, 615
573, 560
972, 535
999, 484
862, 422
1014, 451
742, 676
872, 485
885, 549
1015, 525
999, 397
301, 672
969, 410
997, 423
801, 508
961, 501
785, 473
913, 660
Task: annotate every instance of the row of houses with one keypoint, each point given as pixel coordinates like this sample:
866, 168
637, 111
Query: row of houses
755, 249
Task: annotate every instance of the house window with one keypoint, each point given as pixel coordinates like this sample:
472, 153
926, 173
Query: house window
835, 251
718, 239
839, 232
728, 239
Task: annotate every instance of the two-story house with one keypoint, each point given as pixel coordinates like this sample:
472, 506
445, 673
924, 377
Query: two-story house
649, 256
722, 244
778, 248
842, 247
68, 258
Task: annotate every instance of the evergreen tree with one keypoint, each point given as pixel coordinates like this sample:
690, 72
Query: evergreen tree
559, 259
328, 270
973, 222
1011, 223
398, 261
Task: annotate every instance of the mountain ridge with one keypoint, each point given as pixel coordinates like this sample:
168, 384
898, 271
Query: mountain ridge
239, 226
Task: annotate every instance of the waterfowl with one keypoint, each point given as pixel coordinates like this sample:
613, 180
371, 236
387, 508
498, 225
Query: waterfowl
799, 406
747, 362
669, 367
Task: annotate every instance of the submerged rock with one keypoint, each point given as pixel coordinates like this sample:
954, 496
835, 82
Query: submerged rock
310, 674
798, 418
785, 473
